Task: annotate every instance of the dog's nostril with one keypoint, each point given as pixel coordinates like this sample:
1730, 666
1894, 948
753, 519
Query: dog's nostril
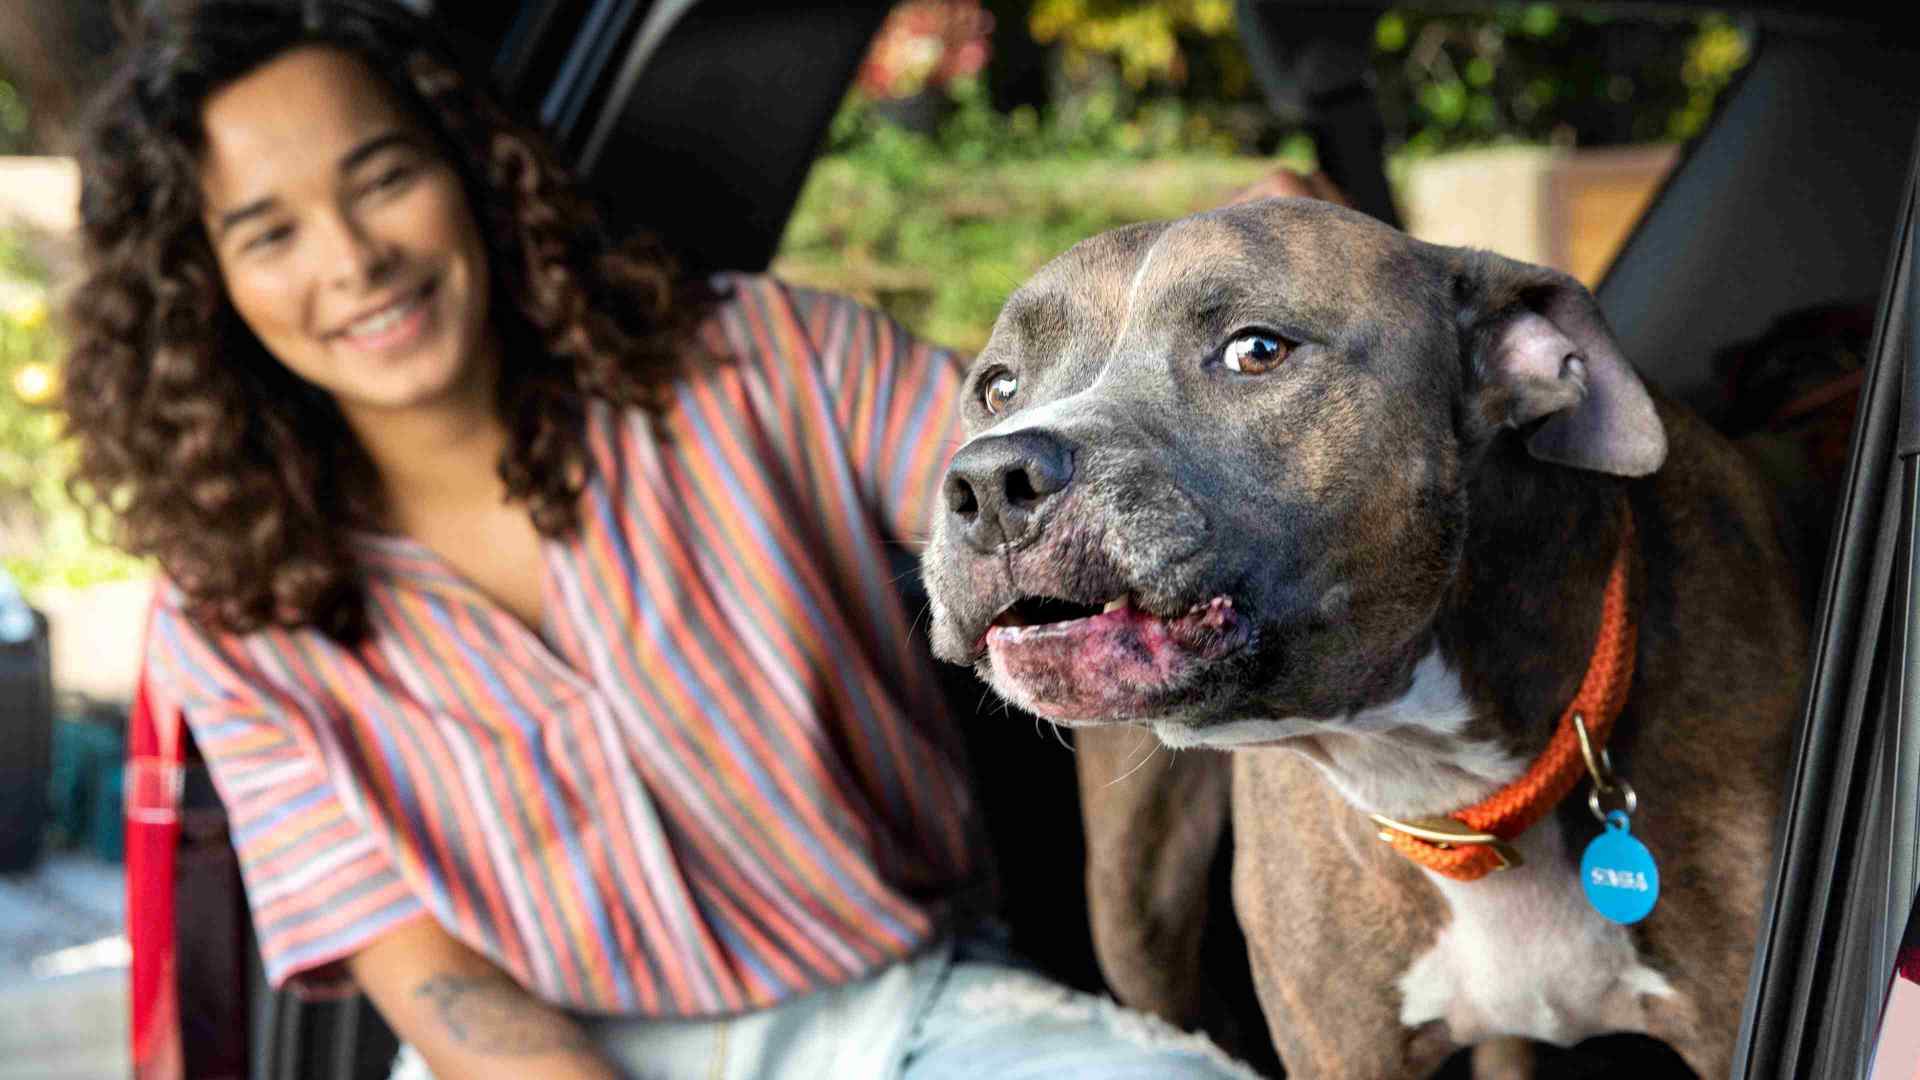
960, 498
1019, 487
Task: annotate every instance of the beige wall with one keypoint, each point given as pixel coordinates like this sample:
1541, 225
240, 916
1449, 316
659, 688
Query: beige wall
1568, 209
42, 192
96, 634
1480, 198
40, 197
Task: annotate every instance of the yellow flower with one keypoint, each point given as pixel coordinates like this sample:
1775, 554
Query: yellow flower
31, 314
34, 382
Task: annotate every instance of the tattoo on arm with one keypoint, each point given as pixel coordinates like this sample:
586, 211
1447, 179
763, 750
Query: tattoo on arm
492, 1015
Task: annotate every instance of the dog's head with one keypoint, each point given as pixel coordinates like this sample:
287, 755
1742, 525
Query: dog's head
1217, 468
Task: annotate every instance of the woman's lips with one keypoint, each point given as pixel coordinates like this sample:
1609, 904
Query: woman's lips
394, 328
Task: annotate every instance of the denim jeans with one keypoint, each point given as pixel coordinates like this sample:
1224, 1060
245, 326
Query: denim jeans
991, 1019
963, 1010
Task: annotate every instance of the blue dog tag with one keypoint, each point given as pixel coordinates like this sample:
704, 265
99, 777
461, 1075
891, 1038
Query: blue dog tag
1618, 873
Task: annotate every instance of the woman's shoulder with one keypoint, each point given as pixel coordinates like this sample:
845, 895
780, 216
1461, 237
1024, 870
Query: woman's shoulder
740, 286
773, 311
188, 660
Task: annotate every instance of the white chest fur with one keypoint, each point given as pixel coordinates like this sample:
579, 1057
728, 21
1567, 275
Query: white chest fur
1522, 952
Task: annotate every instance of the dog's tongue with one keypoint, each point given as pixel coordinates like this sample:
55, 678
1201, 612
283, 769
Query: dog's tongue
1115, 665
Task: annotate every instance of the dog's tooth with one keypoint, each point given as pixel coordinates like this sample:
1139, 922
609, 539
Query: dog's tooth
1118, 603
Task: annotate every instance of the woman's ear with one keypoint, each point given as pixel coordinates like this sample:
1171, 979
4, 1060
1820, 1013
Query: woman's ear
1539, 351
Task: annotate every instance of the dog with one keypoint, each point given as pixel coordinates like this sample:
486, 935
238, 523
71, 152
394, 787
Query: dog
1376, 517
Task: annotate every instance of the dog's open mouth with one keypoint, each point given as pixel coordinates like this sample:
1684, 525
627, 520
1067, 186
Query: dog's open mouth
1074, 661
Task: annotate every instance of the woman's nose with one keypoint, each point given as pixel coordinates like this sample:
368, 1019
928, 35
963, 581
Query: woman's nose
356, 255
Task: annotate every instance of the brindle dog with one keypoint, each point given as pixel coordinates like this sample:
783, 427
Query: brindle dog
1280, 480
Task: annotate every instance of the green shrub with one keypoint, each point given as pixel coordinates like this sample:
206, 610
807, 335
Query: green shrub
1533, 73
939, 243
14, 120
43, 536
938, 229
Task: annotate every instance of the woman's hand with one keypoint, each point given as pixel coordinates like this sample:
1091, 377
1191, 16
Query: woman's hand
465, 1016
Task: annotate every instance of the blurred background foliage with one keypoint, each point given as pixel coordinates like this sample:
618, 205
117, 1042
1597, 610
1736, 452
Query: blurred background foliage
43, 536
983, 137
1150, 42
1534, 74
13, 117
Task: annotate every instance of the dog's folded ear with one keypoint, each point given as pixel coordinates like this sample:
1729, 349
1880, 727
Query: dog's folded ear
1540, 350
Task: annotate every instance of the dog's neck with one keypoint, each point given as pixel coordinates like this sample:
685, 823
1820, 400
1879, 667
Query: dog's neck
1520, 620
1509, 647
1413, 756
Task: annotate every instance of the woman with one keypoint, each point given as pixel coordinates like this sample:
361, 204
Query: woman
528, 603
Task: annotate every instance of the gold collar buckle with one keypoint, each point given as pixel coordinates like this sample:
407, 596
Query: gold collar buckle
1445, 833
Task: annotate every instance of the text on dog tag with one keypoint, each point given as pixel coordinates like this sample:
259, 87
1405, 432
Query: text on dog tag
1618, 874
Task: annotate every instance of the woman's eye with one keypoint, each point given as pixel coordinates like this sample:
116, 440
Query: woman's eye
268, 238
392, 178
1255, 352
997, 391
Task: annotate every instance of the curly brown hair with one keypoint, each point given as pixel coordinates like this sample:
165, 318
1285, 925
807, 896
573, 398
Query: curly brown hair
200, 449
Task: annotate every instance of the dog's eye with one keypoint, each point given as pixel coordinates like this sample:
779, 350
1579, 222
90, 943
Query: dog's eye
997, 390
1255, 353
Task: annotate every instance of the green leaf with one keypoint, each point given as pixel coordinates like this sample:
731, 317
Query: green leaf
1390, 33
1446, 102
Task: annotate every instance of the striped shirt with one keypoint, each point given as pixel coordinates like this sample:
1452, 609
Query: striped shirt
718, 776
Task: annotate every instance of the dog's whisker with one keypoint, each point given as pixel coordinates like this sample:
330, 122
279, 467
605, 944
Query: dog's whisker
1153, 746
1146, 742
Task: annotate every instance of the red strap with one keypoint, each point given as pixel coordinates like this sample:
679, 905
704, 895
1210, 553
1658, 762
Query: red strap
1513, 809
155, 741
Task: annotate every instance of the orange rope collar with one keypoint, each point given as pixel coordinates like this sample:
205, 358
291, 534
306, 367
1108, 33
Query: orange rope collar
1469, 844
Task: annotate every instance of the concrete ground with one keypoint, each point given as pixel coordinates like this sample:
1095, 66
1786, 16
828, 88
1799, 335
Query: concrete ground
63, 971
64, 1009
63, 963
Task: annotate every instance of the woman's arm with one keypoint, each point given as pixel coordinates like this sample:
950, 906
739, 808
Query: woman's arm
465, 1016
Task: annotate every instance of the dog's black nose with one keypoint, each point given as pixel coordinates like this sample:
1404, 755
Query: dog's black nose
997, 486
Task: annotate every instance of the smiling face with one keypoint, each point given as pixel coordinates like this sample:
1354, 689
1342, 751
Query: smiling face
345, 241
1206, 477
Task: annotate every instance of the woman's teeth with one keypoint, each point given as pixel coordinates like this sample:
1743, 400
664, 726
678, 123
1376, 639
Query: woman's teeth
385, 319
